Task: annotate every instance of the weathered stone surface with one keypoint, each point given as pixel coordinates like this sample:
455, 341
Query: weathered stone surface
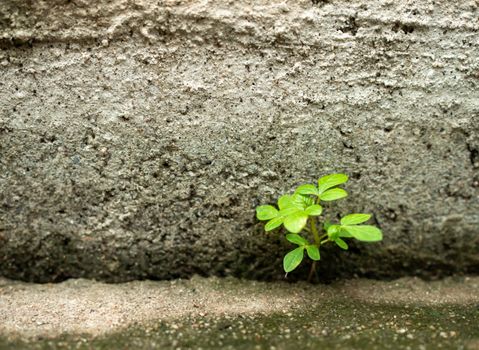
136, 137
90, 308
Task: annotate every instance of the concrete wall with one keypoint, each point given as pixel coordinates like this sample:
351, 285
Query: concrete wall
136, 137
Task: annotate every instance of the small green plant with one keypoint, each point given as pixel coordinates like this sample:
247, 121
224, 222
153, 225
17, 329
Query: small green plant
296, 210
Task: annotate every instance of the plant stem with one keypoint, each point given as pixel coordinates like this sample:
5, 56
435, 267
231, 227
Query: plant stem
314, 230
312, 271
317, 241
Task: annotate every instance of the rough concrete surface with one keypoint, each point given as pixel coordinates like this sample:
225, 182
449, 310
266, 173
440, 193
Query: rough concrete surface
85, 307
136, 137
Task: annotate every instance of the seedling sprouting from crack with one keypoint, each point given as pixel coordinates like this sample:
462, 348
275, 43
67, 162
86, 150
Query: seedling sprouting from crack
295, 211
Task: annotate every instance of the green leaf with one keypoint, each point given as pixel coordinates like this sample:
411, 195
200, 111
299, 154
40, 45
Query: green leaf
295, 223
266, 212
345, 234
296, 239
354, 219
314, 210
327, 225
307, 189
307, 200
313, 252
329, 181
289, 211
294, 201
365, 233
285, 201
333, 232
342, 244
333, 194
293, 259
333, 229
301, 201
273, 223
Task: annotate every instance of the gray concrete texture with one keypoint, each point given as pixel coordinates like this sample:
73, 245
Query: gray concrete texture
137, 137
